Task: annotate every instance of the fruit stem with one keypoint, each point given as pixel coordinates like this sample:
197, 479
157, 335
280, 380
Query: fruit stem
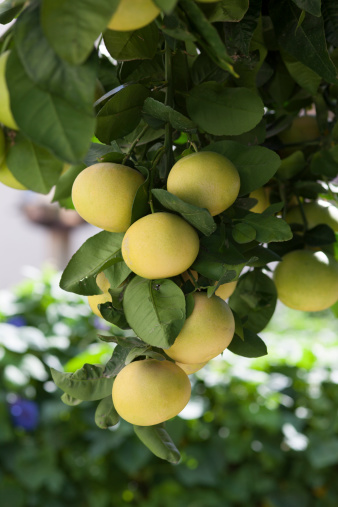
134, 143
193, 144
169, 159
157, 158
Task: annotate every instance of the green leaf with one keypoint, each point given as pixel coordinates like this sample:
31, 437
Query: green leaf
9, 9
69, 400
113, 315
158, 442
325, 162
64, 185
302, 74
239, 35
254, 299
307, 42
117, 361
268, 228
243, 233
155, 310
35, 167
228, 276
224, 111
167, 114
213, 43
70, 127
251, 346
311, 6
99, 152
227, 10
330, 16
95, 255
141, 200
136, 45
256, 165
118, 272
198, 217
105, 414
319, 236
264, 256
121, 114
86, 384
72, 27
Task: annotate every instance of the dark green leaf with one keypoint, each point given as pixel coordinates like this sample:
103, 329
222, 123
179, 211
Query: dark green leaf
306, 42
113, 315
70, 127
251, 346
320, 235
167, 114
311, 6
268, 228
255, 299
330, 16
35, 167
303, 75
239, 35
121, 114
137, 45
165, 5
9, 9
99, 152
141, 200
117, 273
158, 442
117, 361
256, 165
325, 162
227, 10
105, 413
155, 310
228, 276
198, 217
72, 27
264, 256
87, 384
243, 233
64, 185
95, 255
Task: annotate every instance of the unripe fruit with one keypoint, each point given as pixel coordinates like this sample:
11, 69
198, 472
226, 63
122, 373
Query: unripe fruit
225, 290
160, 245
303, 128
307, 280
149, 392
100, 299
263, 200
103, 195
6, 116
206, 332
133, 14
7, 178
205, 179
191, 368
315, 214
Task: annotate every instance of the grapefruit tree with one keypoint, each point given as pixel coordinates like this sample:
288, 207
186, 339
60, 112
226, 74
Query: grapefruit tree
190, 131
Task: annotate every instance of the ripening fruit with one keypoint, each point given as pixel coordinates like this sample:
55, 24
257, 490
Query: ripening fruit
191, 368
160, 245
8, 179
303, 128
133, 14
225, 290
149, 392
315, 214
103, 195
100, 299
307, 280
206, 332
6, 116
205, 179
263, 200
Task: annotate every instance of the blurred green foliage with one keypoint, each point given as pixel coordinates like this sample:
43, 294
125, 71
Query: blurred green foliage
258, 432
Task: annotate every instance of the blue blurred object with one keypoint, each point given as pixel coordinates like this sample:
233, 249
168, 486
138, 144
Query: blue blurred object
17, 321
24, 414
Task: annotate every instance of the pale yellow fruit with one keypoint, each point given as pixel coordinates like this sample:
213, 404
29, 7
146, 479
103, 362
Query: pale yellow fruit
307, 280
7, 178
205, 179
6, 116
206, 332
191, 368
100, 299
263, 200
160, 245
225, 290
315, 214
103, 195
133, 14
149, 392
